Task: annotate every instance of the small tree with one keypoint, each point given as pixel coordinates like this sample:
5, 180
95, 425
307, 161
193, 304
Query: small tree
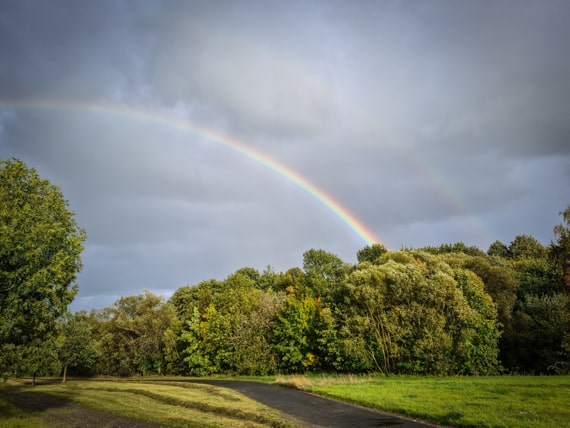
39, 358
76, 345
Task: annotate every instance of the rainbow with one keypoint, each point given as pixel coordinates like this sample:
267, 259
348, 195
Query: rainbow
168, 120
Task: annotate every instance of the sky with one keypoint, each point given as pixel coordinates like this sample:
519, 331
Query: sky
194, 138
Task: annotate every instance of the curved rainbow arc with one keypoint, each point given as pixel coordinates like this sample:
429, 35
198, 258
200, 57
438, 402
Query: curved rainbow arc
231, 143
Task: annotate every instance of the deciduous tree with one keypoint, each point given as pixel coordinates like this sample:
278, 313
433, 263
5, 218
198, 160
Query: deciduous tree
40, 247
76, 345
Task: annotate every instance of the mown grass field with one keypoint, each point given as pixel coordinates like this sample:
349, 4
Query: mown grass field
176, 404
501, 401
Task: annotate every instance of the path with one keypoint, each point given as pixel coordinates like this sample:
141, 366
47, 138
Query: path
314, 410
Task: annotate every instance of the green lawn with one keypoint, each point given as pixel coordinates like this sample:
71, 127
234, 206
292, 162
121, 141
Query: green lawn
501, 401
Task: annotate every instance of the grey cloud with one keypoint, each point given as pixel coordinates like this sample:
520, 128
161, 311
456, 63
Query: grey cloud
430, 121
260, 89
69, 49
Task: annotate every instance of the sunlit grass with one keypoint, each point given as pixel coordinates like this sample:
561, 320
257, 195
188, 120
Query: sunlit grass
509, 401
176, 404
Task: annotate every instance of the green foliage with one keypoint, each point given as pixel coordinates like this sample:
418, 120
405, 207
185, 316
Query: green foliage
131, 335
525, 246
536, 276
498, 249
500, 282
10, 357
420, 319
76, 345
450, 309
198, 363
477, 340
38, 358
561, 258
40, 247
233, 333
458, 247
253, 353
538, 330
370, 253
200, 296
324, 275
292, 335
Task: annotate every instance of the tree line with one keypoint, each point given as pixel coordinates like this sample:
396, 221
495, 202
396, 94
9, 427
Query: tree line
447, 310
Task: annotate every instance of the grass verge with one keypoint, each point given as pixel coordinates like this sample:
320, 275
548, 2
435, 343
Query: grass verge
501, 401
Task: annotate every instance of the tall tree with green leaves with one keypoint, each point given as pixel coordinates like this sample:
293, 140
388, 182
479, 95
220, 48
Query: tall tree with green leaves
132, 337
324, 275
40, 247
423, 317
293, 334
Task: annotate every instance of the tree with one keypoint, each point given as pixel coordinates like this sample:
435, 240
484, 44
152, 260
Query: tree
293, 334
191, 336
232, 333
423, 317
525, 246
562, 247
562, 259
132, 338
40, 247
39, 358
536, 339
76, 345
458, 247
251, 341
498, 249
199, 296
324, 273
370, 253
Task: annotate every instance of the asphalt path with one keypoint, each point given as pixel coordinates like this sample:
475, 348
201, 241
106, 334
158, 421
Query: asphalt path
314, 410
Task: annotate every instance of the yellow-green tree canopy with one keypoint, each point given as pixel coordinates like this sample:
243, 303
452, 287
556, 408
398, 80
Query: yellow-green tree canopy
40, 247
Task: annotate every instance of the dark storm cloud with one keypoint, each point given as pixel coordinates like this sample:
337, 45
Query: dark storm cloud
430, 121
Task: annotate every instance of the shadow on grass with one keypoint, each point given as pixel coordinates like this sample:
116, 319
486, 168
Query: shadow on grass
31, 401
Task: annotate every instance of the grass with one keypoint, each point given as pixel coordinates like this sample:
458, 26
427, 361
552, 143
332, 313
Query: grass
12, 417
176, 404
501, 401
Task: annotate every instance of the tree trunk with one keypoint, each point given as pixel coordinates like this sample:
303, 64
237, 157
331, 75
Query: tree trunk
64, 374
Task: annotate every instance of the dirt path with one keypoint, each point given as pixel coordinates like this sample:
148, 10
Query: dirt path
314, 410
